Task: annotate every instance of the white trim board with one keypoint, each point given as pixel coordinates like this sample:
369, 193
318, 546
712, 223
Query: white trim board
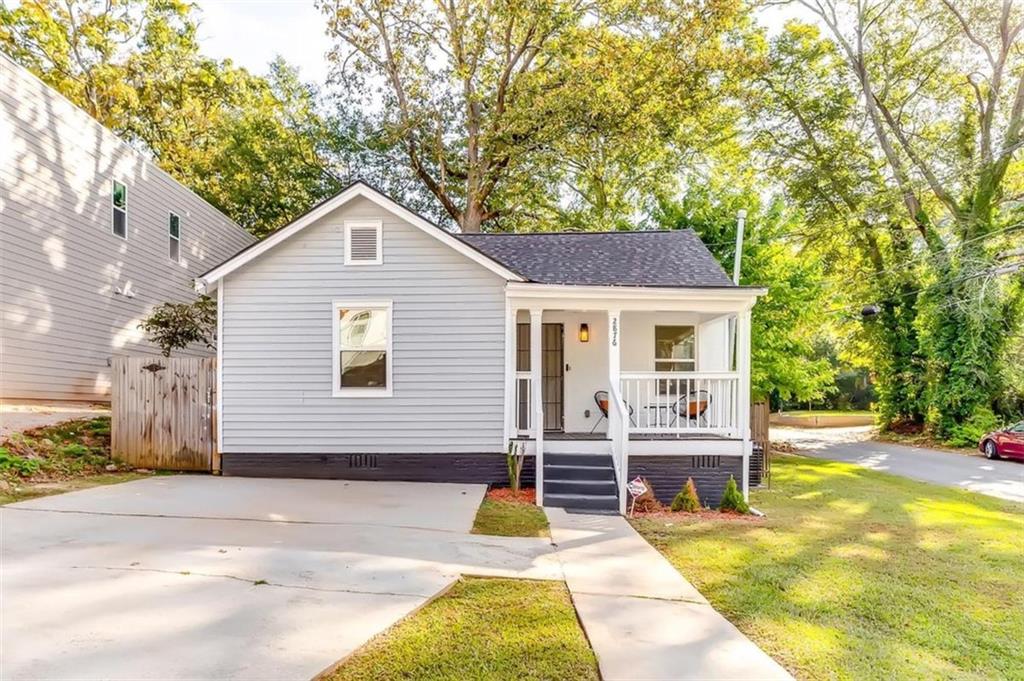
210, 279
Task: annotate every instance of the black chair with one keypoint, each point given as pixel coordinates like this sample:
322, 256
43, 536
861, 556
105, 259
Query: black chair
692, 407
601, 398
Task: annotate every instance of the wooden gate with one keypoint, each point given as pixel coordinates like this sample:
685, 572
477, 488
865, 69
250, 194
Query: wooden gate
760, 464
162, 412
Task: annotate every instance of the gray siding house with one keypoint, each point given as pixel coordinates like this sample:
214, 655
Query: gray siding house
92, 236
362, 341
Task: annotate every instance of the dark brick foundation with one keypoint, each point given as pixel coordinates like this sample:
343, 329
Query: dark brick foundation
668, 474
458, 468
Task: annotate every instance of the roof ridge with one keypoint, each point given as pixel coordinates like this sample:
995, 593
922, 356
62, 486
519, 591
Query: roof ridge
567, 233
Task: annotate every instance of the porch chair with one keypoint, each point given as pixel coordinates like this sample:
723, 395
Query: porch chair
601, 398
693, 407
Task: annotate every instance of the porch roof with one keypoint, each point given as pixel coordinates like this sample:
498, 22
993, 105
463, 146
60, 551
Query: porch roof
658, 258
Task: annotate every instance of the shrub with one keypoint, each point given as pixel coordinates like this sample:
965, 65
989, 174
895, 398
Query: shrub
687, 499
73, 449
10, 462
732, 499
647, 502
968, 433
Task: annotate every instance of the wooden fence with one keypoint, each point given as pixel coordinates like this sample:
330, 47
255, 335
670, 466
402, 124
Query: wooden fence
760, 464
163, 412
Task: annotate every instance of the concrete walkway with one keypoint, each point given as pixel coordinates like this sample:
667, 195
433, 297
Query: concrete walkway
1002, 479
643, 619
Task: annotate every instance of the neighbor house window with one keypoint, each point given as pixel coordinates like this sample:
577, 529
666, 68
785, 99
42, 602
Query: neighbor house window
174, 238
363, 241
362, 348
119, 201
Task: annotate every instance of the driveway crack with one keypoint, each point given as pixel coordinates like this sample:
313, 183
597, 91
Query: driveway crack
253, 582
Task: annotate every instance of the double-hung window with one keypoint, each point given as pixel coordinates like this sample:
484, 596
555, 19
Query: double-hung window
362, 348
674, 350
174, 238
119, 208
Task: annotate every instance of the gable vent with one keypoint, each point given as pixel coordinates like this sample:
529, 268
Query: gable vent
362, 244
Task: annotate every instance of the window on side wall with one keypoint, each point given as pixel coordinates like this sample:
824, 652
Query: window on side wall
119, 207
362, 349
174, 238
674, 350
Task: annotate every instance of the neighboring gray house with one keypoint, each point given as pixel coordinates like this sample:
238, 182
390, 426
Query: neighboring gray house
92, 237
362, 341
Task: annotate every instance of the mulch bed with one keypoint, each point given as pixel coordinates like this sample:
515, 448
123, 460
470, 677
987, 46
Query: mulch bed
524, 496
706, 514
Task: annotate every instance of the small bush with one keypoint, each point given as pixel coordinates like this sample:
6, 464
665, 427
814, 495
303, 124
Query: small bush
647, 502
73, 449
12, 463
733, 500
687, 499
968, 433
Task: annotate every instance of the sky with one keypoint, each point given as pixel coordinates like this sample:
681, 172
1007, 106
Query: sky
252, 32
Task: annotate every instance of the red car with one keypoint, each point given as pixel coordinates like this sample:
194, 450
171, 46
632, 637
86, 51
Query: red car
1008, 443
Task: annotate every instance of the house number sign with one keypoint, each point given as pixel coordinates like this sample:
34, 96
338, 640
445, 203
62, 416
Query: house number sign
615, 332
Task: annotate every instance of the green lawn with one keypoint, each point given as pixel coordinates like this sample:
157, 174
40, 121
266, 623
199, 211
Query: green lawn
856, 574
828, 412
510, 519
482, 629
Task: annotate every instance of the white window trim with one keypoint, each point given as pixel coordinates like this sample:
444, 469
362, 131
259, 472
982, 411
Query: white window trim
362, 224
171, 237
336, 389
114, 209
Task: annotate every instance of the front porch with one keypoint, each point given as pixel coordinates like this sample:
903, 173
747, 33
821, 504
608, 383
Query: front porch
642, 373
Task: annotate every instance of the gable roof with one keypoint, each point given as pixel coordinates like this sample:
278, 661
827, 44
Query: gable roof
354, 190
662, 258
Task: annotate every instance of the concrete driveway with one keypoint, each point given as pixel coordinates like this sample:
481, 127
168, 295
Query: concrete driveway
1002, 479
199, 577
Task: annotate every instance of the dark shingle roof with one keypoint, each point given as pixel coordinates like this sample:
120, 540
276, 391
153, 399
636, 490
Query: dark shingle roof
668, 258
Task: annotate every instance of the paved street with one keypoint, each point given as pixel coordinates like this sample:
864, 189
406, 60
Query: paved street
1003, 479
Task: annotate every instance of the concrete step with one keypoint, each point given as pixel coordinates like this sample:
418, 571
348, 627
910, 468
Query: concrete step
579, 472
601, 487
577, 459
590, 502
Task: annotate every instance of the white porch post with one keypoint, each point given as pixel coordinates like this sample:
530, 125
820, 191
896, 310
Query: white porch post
511, 383
537, 397
615, 424
743, 368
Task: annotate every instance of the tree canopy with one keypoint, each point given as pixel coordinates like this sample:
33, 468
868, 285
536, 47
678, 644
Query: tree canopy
875, 145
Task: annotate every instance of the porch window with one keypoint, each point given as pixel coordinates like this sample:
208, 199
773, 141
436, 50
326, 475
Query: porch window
362, 348
674, 350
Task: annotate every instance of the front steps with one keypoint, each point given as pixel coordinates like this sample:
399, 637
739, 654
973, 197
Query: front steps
580, 482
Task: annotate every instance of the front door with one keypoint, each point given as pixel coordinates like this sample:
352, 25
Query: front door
552, 369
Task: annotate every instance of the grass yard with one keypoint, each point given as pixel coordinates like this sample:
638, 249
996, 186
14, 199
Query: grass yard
482, 629
61, 458
857, 574
506, 515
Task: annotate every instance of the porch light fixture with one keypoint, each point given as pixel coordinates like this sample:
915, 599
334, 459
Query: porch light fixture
584, 333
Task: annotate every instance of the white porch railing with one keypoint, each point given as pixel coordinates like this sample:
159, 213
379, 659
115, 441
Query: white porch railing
678, 403
524, 415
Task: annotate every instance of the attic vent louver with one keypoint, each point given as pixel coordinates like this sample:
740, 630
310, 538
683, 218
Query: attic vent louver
363, 243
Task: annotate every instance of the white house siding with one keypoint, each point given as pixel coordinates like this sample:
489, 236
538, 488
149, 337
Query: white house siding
448, 347
61, 318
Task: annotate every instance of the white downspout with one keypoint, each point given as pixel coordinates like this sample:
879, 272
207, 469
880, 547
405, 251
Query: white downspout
741, 220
